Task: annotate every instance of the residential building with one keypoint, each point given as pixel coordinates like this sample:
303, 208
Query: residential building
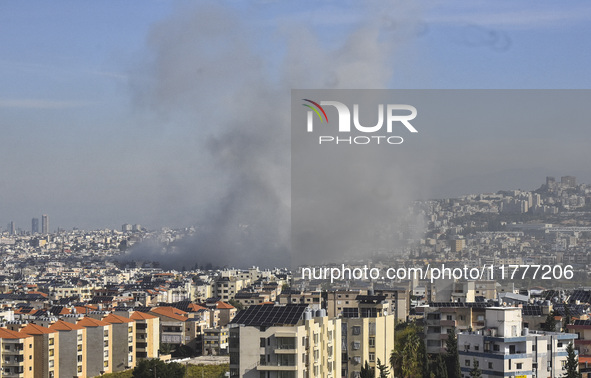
46, 347
72, 349
99, 341
285, 341
17, 354
123, 341
505, 348
147, 331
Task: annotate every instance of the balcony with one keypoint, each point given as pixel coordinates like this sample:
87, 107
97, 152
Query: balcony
286, 349
276, 366
447, 323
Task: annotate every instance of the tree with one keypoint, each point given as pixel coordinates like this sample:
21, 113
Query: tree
550, 324
366, 371
452, 357
156, 368
475, 372
572, 363
383, 369
166, 348
438, 368
236, 304
567, 318
408, 358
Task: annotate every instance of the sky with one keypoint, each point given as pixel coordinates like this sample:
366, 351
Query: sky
158, 112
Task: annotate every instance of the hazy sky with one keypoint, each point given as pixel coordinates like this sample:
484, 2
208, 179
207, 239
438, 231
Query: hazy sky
159, 113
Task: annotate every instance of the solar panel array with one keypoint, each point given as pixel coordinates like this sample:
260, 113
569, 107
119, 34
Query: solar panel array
582, 322
182, 305
581, 295
531, 310
270, 315
370, 298
575, 310
461, 304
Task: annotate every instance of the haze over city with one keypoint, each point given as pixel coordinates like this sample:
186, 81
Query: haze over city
170, 114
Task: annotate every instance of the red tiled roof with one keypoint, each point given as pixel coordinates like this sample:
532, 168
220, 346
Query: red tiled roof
91, 322
171, 312
8, 334
35, 329
61, 325
224, 306
116, 319
142, 316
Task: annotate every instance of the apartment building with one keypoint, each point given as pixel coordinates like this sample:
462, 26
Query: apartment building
215, 341
72, 349
505, 348
99, 341
172, 324
46, 347
123, 342
226, 288
286, 341
369, 334
440, 317
17, 354
147, 335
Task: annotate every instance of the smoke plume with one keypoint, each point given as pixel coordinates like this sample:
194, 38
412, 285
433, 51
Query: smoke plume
223, 83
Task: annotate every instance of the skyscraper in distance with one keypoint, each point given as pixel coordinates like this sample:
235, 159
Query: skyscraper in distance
35, 226
45, 224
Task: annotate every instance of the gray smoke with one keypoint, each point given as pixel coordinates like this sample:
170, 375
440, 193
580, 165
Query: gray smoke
208, 80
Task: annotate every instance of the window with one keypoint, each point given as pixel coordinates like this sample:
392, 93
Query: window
106, 364
467, 362
79, 369
106, 333
262, 342
490, 365
519, 366
79, 337
496, 347
559, 344
106, 343
372, 341
79, 347
449, 317
477, 347
51, 341
51, 363
129, 329
372, 357
79, 358
51, 352
356, 330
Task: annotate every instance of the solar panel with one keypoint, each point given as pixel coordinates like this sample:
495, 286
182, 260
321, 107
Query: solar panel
269, 315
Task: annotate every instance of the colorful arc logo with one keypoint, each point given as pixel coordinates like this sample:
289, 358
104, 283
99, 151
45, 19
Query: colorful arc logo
316, 110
